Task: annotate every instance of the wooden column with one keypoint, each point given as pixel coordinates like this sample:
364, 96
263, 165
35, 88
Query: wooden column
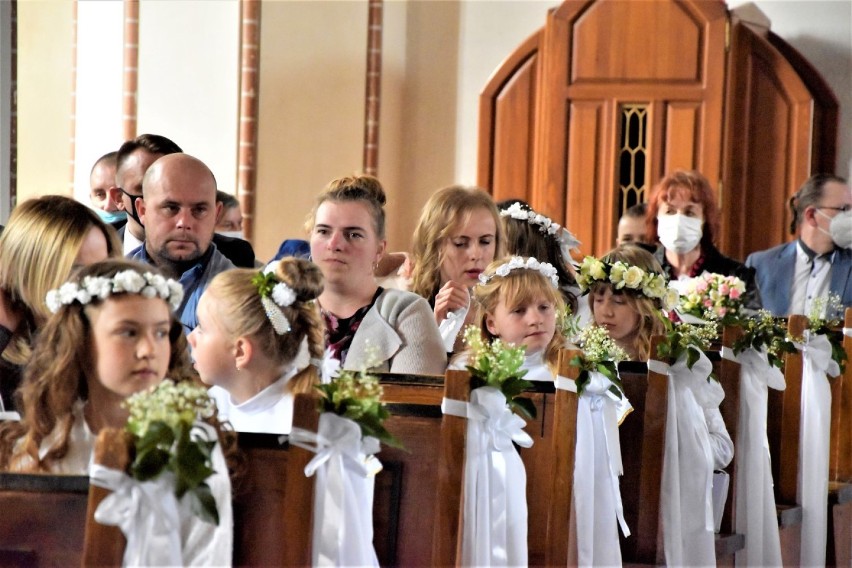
374, 88
249, 84
131, 69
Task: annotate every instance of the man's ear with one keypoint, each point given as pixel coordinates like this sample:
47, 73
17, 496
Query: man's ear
810, 216
141, 208
115, 196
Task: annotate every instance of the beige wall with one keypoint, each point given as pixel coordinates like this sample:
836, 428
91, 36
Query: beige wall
44, 97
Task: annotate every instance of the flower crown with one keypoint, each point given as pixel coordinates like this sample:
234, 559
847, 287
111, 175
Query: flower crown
545, 225
125, 282
518, 263
274, 295
624, 276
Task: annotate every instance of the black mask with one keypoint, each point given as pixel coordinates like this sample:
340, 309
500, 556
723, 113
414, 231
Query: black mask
133, 213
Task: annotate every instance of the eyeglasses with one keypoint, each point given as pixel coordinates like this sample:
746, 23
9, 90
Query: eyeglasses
843, 209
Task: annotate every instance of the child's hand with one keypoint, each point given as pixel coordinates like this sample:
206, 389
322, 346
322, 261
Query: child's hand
451, 297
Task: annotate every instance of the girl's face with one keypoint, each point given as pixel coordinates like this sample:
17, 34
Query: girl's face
344, 243
469, 249
614, 312
532, 323
212, 345
130, 344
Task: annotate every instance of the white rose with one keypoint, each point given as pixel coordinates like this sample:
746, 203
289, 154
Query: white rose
67, 292
597, 270
670, 300
633, 277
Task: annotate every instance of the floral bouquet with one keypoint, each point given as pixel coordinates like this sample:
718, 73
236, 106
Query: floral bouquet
824, 320
600, 354
687, 338
765, 331
713, 297
357, 395
167, 439
498, 364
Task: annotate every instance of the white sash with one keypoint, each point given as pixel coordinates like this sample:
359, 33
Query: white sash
597, 465
495, 481
687, 487
450, 327
755, 507
145, 511
813, 446
343, 496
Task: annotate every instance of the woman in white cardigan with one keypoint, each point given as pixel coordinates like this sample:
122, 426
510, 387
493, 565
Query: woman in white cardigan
366, 325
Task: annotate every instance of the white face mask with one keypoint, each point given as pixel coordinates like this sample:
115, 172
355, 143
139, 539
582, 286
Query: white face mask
232, 234
679, 233
840, 229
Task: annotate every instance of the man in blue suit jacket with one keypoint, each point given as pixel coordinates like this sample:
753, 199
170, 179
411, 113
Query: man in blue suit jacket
791, 276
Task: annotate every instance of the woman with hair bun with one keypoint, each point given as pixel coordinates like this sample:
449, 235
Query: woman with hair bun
367, 325
256, 335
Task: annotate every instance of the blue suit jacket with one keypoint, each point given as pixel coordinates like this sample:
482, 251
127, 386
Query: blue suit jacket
776, 266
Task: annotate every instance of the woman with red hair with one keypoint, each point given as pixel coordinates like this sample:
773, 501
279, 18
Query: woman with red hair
683, 216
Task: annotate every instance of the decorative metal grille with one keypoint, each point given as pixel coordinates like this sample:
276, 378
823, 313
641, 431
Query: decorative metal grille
632, 156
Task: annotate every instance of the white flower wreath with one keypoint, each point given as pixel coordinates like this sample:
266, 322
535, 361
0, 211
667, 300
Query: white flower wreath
545, 225
624, 276
518, 263
125, 282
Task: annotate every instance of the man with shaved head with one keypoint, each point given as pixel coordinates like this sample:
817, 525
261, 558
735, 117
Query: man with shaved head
178, 210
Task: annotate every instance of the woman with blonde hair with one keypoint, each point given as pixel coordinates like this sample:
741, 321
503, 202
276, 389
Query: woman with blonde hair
367, 325
45, 240
459, 234
257, 335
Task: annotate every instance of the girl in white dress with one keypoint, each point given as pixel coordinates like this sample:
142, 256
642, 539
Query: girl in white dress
113, 334
257, 333
518, 301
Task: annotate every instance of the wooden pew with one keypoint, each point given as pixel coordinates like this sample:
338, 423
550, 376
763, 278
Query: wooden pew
839, 550
43, 519
272, 498
404, 499
549, 465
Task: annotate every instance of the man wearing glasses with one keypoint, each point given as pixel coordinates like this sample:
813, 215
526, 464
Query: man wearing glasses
792, 276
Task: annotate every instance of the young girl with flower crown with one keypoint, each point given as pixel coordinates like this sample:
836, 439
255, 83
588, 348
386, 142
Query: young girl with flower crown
519, 302
627, 295
113, 334
257, 334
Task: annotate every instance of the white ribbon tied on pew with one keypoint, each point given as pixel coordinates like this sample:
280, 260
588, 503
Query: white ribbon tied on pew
813, 446
756, 514
597, 465
343, 499
145, 511
495, 481
687, 489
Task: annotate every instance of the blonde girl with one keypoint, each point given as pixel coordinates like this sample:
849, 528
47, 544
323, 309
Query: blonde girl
518, 301
257, 334
458, 235
631, 316
99, 347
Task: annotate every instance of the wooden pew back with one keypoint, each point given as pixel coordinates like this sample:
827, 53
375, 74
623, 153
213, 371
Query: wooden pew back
43, 519
840, 450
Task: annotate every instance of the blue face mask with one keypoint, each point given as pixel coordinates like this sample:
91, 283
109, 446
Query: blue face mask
110, 217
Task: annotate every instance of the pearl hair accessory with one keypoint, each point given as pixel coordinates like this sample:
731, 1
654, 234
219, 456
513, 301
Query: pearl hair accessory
518, 263
125, 282
274, 295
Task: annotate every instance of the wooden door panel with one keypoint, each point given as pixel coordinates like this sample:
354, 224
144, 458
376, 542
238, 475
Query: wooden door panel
636, 42
513, 134
683, 134
768, 144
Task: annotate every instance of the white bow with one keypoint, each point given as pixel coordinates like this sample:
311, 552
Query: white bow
145, 511
597, 465
813, 445
495, 507
343, 498
687, 491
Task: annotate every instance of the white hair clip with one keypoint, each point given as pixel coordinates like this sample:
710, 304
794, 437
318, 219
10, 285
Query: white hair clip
274, 295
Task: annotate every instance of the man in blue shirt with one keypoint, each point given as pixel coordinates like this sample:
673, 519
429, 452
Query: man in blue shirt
178, 209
